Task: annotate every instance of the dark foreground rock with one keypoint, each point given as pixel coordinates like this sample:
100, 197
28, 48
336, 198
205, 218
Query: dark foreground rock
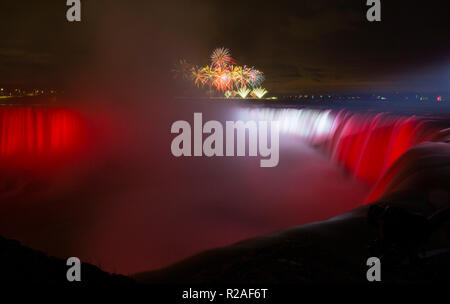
19, 264
334, 251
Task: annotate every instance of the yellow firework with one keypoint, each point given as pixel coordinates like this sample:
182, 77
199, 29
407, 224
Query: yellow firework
259, 92
243, 92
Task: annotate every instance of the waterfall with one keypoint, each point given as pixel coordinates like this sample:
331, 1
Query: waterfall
366, 144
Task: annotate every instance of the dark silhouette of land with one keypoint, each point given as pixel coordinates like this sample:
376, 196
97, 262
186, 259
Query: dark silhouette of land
21, 264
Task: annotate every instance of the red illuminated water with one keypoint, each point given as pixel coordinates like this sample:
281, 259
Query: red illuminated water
36, 137
367, 145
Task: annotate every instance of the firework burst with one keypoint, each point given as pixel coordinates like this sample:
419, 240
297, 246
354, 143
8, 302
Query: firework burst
240, 76
255, 78
198, 76
221, 57
182, 70
203, 76
223, 80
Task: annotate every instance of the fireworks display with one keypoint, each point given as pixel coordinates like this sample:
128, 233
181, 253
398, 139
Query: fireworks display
224, 75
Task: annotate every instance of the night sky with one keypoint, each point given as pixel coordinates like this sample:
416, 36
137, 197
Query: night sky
318, 45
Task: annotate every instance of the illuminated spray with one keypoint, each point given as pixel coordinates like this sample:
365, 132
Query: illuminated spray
259, 134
